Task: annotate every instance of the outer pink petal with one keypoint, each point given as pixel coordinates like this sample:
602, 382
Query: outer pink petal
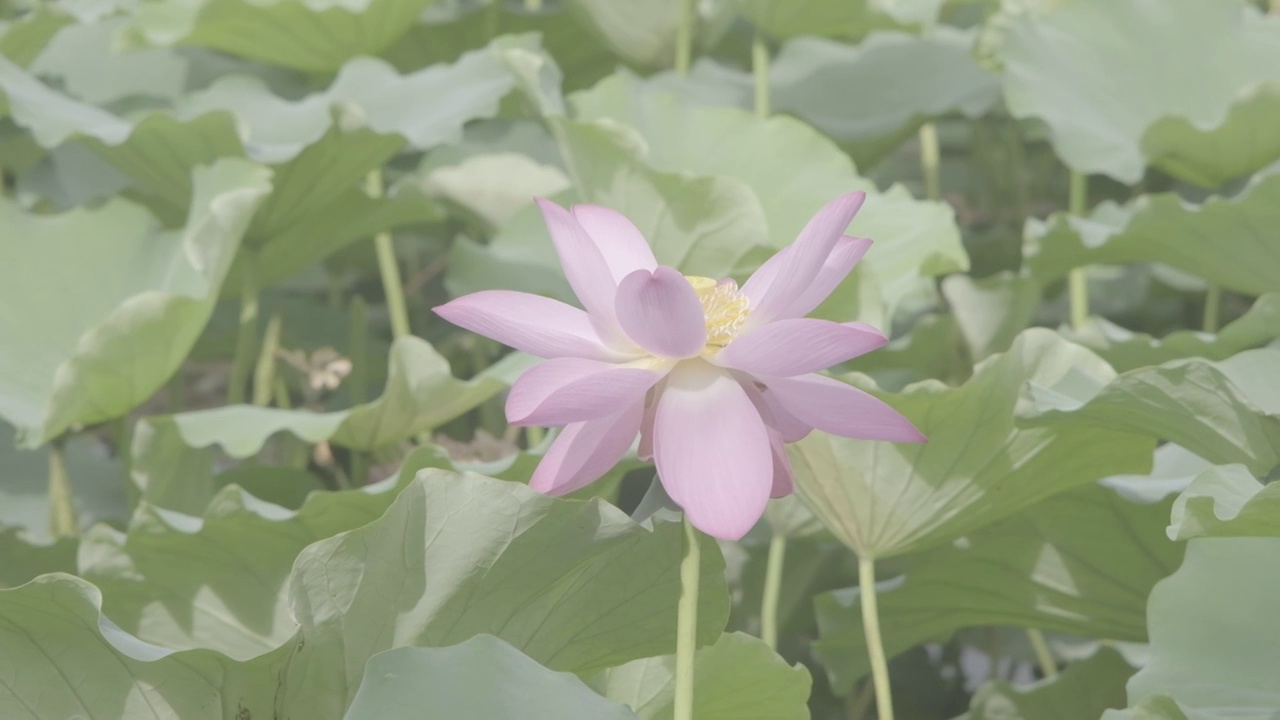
784, 481
582, 261
537, 325
787, 280
846, 254
776, 417
620, 241
712, 451
661, 313
832, 406
584, 451
569, 390
796, 346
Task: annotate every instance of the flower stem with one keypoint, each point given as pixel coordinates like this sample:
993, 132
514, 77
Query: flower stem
760, 71
772, 588
1043, 656
687, 623
247, 335
1077, 280
930, 160
1212, 308
264, 374
875, 646
684, 37
387, 267
62, 507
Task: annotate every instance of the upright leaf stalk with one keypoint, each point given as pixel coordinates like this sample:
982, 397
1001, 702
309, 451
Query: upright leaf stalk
687, 622
875, 645
1077, 280
392, 287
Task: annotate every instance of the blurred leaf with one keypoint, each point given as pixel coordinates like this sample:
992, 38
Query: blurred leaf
1226, 501
1193, 402
738, 678
992, 311
1083, 691
96, 486
1221, 240
576, 586
1082, 562
22, 39
787, 18
1060, 66
82, 59
643, 33
883, 499
22, 560
483, 677
312, 35
494, 186
1215, 641
121, 301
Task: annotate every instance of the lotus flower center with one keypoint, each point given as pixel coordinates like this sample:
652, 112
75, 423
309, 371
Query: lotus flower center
724, 306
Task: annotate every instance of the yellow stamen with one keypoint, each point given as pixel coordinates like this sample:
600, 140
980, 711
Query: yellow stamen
724, 306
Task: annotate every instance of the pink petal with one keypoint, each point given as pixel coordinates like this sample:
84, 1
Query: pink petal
712, 450
661, 313
832, 406
776, 417
784, 348
644, 450
569, 390
846, 254
537, 325
583, 264
584, 451
784, 481
787, 280
620, 241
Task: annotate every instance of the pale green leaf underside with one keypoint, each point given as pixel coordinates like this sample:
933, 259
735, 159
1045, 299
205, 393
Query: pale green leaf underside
1226, 501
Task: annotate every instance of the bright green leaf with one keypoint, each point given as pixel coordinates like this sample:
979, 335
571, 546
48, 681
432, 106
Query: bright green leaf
1226, 501
1083, 691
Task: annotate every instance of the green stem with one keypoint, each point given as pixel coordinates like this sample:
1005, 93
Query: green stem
387, 267
1048, 667
62, 507
123, 437
247, 335
357, 382
534, 436
1212, 308
875, 646
1077, 280
760, 71
772, 589
265, 371
684, 37
930, 160
687, 623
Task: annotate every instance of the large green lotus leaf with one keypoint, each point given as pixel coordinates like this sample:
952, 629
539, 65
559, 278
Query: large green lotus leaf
179, 580
1126, 350
1060, 66
62, 658
1195, 403
483, 677
313, 35
883, 499
738, 678
787, 18
1083, 691
1082, 562
643, 33
1215, 639
1226, 501
94, 476
121, 301
82, 59
1224, 240
577, 586
22, 560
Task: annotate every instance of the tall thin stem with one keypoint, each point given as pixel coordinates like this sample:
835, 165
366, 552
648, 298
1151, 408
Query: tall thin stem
684, 37
247, 334
264, 374
687, 623
1048, 667
772, 589
1077, 280
62, 507
875, 646
1212, 308
387, 267
760, 71
930, 161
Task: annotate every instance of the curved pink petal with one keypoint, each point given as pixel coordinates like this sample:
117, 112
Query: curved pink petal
661, 313
797, 266
832, 406
537, 325
582, 261
644, 450
796, 346
712, 450
624, 248
584, 451
569, 390
844, 256
784, 481
776, 417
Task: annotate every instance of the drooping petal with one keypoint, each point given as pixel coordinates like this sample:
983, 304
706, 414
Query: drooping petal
624, 248
776, 417
583, 264
784, 481
796, 346
584, 451
537, 325
569, 390
712, 450
832, 406
661, 313
797, 268
844, 256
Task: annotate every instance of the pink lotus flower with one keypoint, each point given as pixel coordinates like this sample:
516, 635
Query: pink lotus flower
714, 378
